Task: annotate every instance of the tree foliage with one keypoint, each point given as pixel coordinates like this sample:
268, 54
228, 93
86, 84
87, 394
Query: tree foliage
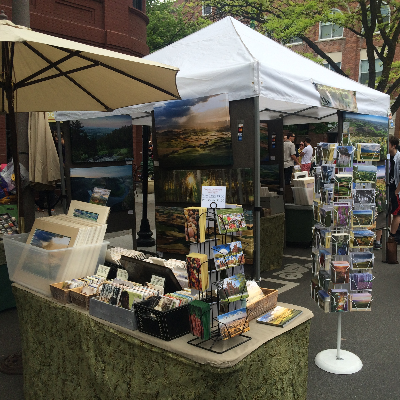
285, 19
169, 22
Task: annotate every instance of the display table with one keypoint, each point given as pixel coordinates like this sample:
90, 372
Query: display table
69, 354
272, 241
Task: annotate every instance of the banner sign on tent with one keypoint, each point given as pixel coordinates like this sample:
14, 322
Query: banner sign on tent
340, 99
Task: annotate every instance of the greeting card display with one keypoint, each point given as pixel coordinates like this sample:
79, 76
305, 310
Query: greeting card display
199, 317
232, 289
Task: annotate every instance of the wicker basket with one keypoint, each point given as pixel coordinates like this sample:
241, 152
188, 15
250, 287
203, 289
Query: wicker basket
79, 299
60, 294
260, 307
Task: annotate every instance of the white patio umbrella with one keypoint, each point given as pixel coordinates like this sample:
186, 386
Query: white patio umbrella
45, 73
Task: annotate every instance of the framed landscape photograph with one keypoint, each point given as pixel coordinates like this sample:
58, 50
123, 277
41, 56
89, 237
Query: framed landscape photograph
102, 139
194, 132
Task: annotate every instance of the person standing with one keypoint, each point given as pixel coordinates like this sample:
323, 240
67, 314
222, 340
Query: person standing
394, 184
289, 157
306, 155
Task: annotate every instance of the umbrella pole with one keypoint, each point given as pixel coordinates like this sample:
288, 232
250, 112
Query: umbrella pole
61, 157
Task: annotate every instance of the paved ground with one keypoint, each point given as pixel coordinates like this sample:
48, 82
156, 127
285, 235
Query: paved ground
373, 336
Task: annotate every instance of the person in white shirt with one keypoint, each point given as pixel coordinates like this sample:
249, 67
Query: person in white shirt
289, 157
306, 155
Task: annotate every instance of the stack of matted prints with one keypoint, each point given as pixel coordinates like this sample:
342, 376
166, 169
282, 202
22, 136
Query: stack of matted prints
84, 225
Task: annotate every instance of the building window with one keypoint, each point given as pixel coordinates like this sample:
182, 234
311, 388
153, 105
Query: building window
295, 40
364, 70
385, 12
207, 10
326, 65
328, 30
137, 4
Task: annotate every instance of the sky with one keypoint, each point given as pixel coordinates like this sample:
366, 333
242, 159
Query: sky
209, 111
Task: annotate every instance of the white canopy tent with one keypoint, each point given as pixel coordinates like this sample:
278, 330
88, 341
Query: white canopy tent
229, 57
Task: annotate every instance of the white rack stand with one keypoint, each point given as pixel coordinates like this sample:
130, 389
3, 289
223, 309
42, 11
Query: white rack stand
337, 361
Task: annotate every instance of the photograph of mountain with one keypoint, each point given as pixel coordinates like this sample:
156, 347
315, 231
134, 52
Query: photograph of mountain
194, 132
102, 139
117, 179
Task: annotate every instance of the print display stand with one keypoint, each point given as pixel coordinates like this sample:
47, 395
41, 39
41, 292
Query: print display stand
337, 361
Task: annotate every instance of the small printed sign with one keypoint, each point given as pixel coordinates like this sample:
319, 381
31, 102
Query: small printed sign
213, 196
103, 271
157, 280
122, 274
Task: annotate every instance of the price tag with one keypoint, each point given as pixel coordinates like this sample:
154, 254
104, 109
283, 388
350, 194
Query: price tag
103, 271
157, 280
122, 274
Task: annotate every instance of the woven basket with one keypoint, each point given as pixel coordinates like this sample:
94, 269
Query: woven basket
60, 294
260, 307
79, 299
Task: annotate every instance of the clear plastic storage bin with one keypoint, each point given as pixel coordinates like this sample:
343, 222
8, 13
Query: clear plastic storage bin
37, 268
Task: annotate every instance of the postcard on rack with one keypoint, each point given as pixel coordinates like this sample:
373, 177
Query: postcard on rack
361, 281
233, 323
339, 300
231, 220
325, 238
364, 196
362, 260
92, 212
364, 173
340, 244
232, 289
341, 215
327, 173
362, 238
279, 316
344, 156
360, 301
340, 272
228, 255
363, 219
368, 151
324, 259
343, 185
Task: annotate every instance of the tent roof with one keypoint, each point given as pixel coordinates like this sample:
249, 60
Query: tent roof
229, 57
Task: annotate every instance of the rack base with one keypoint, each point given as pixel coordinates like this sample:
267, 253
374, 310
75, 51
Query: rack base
348, 363
219, 346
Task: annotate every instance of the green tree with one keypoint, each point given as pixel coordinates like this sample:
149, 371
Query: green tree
285, 19
169, 22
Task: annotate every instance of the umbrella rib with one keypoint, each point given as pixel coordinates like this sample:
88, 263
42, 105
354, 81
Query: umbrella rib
72, 80
71, 71
22, 82
123, 73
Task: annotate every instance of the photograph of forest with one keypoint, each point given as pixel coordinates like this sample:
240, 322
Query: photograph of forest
194, 132
102, 139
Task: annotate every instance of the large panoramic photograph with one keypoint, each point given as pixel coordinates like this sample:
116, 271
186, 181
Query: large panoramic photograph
102, 139
194, 132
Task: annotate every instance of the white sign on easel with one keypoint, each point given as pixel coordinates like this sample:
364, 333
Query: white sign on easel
213, 196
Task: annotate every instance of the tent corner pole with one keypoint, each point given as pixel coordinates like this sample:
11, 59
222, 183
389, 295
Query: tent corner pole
257, 209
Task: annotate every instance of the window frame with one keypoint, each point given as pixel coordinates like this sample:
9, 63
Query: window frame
203, 10
376, 72
333, 11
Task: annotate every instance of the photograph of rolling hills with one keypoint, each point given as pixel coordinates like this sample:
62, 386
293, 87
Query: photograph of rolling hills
194, 132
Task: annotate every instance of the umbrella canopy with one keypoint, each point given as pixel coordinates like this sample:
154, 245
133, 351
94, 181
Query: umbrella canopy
49, 73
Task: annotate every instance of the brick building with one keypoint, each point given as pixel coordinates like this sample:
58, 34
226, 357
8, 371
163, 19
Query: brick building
118, 25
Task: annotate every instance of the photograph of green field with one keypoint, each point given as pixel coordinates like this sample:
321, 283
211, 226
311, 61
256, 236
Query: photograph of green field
360, 128
194, 132
184, 186
170, 228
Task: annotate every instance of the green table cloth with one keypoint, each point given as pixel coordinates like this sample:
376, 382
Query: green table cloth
272, 242
68, 354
